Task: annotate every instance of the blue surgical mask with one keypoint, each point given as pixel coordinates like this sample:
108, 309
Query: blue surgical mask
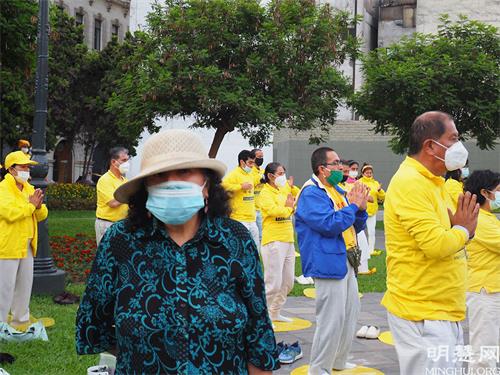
175, 202
465, 172
495, 203
247, 169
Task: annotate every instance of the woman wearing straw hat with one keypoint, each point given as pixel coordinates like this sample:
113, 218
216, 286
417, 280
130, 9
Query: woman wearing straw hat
21, 209
177, 287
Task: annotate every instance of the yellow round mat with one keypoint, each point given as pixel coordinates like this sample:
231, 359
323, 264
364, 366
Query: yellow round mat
386, 338
295, 325
46, 321
311, 293
358, 370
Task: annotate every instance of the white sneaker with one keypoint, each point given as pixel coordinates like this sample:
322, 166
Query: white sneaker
372, 332
347, 366
362, 332
281, 318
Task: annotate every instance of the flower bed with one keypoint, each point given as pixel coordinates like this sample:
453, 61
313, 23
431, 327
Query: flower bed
74, 255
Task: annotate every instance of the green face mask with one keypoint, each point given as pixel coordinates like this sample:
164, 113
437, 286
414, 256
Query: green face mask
335, 177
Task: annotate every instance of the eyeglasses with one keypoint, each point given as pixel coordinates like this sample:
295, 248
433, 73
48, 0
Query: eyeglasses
334, 164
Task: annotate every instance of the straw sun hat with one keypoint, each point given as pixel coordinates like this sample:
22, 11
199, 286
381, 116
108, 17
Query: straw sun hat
167, 151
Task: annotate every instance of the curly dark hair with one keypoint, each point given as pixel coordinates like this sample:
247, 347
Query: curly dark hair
479, 180
217, 202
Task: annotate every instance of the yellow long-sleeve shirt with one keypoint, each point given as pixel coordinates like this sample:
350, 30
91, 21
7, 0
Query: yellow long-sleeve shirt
106, 187
257, 172
18, 219
484, 255
276, 217
375, 193
426, 265
242, 202
454, 189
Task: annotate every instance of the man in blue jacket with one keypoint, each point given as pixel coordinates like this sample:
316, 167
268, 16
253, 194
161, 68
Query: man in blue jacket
326, 222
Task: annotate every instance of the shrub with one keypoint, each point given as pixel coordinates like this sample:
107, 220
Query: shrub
71, 197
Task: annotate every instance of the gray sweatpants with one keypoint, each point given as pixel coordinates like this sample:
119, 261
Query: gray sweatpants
337, 310
427, 345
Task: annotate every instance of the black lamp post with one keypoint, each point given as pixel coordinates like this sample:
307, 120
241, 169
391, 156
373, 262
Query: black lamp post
47, 279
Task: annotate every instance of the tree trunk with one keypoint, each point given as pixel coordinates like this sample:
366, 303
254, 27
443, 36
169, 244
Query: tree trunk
218, 137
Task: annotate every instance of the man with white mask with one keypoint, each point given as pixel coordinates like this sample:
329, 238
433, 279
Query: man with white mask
109, 210
426, 261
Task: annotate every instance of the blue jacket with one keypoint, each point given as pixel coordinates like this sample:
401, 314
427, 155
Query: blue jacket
319, 231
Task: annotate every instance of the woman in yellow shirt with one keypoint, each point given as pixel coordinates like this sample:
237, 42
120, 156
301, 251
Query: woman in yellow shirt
378, 195
483, 263
278, 249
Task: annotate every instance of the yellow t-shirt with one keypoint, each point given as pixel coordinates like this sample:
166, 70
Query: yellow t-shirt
454, 188
242, 202
426, 265
276, 217
484, 255
257, 172
377, 195
340, 202
106, 187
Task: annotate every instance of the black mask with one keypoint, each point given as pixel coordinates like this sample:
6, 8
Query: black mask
259, 161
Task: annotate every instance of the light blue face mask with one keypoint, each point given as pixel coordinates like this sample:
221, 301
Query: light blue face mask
175, 202
465, 172
495, 203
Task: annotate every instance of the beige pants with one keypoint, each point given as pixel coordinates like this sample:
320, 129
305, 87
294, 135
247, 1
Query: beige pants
101, 226
16, 281
279, 270
483, 310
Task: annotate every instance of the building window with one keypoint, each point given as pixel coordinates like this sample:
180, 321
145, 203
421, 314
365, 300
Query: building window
97, 34
114, 30
79, 18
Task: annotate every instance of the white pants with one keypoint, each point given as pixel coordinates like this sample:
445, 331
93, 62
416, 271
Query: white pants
101, 226
258, 221
371, 222
365, 252
16, 281
425, 345
254, 231
337, 310
279, 271
483, 310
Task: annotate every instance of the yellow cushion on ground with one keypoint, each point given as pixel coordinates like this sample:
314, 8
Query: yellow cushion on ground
358, 370
295, 325
46, 321
311, 293
386, 338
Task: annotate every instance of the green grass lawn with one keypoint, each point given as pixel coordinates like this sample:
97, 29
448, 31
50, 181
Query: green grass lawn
71, 222
56, 356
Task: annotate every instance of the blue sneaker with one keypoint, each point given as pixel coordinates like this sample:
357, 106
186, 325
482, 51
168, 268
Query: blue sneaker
281, 346
291, 353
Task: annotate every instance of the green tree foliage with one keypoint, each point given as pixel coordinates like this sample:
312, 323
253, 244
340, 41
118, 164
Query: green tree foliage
67, 56
455, 71
18, 28
233, 64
